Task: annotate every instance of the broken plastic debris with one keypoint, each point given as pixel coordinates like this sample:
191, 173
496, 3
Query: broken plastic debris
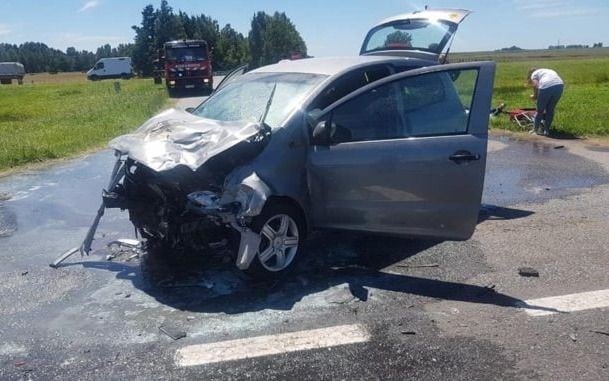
528, 272
172, 332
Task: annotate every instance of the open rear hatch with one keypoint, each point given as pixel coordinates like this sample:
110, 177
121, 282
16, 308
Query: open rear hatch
422, 34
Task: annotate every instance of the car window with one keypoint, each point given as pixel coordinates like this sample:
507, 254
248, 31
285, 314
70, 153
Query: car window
100, 65
409, 34
373, 115
437, 103
350, 82
426, 105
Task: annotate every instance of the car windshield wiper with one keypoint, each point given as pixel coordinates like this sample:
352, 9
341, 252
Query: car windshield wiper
268, 105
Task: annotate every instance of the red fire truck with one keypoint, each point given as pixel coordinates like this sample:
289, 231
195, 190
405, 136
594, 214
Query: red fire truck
187, 65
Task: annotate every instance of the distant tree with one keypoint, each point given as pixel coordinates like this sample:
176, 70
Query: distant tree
167, 26
398, 38
231, 49
123, 50
273, 38
257, 38
144, 51
104, 51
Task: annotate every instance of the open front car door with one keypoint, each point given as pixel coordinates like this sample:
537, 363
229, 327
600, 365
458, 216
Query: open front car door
405, 155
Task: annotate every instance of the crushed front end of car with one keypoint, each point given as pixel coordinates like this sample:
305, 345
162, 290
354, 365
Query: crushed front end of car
178, 178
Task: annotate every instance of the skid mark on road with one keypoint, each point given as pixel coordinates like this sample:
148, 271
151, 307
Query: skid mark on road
569, 303
270, 345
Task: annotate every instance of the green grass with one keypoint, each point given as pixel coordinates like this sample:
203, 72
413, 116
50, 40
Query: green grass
530, 55
584, 107
53, 120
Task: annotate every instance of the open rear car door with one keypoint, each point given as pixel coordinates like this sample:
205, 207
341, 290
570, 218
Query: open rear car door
426, 34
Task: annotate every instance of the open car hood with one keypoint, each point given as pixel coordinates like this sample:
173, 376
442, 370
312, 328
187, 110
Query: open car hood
176, 137
423, 34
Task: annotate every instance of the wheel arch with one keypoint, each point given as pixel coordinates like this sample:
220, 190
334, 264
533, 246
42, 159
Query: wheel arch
293, 203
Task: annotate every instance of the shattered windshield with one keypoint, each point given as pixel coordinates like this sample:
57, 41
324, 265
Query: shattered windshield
424, 35
246, 98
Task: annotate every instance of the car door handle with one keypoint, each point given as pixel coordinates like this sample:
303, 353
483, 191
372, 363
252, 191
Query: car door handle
461, 156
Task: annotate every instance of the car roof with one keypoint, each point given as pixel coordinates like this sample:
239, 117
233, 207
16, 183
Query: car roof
332, 65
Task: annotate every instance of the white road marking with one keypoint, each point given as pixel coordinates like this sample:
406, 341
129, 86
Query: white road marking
568, 303
270, 345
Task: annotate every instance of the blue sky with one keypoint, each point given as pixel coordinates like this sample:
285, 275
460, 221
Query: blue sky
330, 27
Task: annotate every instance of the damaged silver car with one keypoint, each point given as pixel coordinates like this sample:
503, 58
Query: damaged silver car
382, 143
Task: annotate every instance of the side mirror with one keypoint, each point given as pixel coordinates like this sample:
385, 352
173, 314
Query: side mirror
321, 134
189, 110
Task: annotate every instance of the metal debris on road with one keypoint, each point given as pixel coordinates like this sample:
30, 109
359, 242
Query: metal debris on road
408, 333
25, 273
528, 272
172, 332
573, 337
559, 147
601, 332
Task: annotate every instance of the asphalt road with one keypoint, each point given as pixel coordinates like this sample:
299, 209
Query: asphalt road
358, 307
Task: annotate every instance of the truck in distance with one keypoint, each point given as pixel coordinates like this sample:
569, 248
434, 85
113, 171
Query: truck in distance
10, 71
187, 65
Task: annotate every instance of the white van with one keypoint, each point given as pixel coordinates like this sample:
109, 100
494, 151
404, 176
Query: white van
115, 67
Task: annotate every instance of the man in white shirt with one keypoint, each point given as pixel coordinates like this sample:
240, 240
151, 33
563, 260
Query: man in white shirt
548, 88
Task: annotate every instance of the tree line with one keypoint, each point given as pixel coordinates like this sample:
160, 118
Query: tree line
38, 57
271, 38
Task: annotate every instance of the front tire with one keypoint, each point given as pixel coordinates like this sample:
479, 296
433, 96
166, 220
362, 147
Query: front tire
282, 231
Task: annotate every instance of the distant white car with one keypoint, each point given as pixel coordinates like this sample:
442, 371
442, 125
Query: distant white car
108, 68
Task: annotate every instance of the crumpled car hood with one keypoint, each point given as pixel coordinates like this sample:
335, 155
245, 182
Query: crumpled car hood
176, 137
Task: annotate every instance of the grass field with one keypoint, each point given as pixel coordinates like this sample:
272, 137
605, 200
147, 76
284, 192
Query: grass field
63, 114
582, 110
532, 55
58, 115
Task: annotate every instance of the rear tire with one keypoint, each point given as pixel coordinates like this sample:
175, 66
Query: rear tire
282, 231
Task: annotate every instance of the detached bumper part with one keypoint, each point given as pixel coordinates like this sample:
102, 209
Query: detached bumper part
248, 247
241, 202
85, 248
